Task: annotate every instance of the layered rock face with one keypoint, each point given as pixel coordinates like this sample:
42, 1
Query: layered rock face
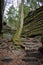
33, 23
33, 56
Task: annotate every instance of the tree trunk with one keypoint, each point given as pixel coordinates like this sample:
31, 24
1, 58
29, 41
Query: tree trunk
21, 19
18, 32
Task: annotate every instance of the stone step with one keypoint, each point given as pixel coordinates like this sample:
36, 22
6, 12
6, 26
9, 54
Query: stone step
27, 44
7, 59
28, 59
33, 63
28, 48
33, 54
31, 50
32, 45
31, 42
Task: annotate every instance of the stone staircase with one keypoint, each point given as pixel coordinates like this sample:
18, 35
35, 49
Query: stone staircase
33, 63
32, 56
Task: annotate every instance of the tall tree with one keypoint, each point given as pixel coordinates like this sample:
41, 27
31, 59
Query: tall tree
18, 33
22, 18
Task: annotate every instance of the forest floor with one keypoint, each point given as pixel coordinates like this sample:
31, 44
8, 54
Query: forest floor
6, 51
17, 57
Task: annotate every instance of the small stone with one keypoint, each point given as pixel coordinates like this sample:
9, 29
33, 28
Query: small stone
32, 63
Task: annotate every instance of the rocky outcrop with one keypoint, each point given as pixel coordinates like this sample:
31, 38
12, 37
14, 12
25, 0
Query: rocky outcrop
33, 23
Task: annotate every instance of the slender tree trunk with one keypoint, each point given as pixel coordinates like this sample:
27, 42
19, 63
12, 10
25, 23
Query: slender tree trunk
19, 31
21, 19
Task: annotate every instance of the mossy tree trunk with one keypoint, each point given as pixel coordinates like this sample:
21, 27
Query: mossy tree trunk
21, 19
19, 31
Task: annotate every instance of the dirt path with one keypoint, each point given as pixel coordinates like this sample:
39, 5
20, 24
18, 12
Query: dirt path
15, 55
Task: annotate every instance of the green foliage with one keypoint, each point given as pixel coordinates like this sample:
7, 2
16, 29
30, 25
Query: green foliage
26, 10
40, 1
34, 3
4, 19
13, 17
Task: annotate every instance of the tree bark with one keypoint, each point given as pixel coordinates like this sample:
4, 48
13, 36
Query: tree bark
21, 19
